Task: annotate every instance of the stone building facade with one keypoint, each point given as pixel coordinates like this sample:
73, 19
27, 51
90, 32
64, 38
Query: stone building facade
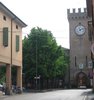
11, 45
80, 44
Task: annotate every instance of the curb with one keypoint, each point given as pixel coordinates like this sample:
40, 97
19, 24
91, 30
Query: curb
90, 96
85, 97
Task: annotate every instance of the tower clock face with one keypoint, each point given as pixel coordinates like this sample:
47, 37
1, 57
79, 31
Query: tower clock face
80, 30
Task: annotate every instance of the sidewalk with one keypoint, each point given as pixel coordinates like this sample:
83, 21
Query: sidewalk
1, 93
90, 95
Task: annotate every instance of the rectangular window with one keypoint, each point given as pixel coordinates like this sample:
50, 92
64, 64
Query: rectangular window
86, 61
75, 62
16, 26
4, 17
5, 36
17, 43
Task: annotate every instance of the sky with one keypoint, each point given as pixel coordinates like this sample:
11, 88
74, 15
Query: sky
46, 14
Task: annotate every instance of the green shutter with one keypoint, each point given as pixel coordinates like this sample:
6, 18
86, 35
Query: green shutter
17, 43
5, 36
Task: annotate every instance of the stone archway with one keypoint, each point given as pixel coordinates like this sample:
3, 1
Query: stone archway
82, 79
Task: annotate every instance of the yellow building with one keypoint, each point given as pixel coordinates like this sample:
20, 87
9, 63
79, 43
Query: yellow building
11, 45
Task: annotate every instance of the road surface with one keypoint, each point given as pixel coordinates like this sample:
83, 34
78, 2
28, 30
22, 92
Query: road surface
75, 94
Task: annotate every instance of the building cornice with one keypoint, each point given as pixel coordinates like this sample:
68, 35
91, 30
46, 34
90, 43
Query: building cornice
11, 15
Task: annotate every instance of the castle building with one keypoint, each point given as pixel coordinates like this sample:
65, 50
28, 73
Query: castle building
11, 45
80, 44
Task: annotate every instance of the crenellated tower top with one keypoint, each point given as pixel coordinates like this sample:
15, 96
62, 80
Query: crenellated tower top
77, 15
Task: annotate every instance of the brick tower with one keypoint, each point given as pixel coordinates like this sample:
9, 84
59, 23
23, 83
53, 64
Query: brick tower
80, 53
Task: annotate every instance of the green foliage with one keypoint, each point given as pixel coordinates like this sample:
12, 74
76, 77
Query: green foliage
2, 80
2, 74
41, 50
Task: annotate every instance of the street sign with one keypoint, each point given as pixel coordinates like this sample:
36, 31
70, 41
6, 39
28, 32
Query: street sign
90, 64
81, 66
38, 77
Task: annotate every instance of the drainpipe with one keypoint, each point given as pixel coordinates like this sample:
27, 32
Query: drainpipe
9, 89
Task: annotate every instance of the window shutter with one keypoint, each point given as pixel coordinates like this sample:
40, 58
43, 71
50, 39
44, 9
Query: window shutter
17, 43
5, 36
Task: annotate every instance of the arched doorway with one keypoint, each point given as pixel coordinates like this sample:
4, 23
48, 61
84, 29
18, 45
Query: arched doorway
82, 79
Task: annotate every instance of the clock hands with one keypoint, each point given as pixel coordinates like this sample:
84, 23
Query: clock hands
80, 30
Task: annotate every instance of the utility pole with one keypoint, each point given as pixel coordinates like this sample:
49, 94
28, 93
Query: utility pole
36, 62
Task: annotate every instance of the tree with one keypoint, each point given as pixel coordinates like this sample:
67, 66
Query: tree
42, 54
2, 74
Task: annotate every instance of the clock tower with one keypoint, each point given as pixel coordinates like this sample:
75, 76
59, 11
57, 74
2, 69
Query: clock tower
80, 44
